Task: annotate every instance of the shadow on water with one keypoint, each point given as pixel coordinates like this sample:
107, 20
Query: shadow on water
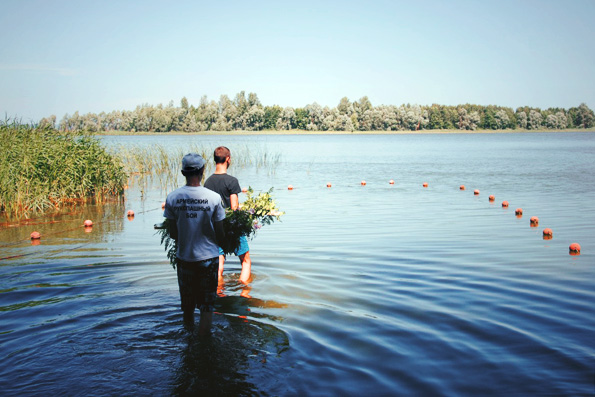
239, 357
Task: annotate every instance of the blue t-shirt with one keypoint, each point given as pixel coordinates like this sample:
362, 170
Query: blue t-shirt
195, 209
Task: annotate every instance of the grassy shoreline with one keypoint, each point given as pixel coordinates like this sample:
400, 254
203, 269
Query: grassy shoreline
303, 132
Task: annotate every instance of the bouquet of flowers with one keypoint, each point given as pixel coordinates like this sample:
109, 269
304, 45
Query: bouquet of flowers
251, 215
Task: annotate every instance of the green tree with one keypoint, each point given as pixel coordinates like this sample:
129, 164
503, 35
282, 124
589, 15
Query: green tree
584, 117
271, 115
345, 107
301, 119
184, 103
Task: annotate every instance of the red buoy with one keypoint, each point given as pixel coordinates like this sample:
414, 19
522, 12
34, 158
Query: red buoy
35, 236
547, 233
88, 223
462, 187
425, 184
505, 204
575, 249
492, 197
391, 182
290, 187
363, 183
476, 192
328, 184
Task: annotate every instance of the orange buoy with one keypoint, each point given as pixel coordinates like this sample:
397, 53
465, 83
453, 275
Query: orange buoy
425, 184
547, 233
245, 189
518, 211
163, 205
505, 204
575, 249
35, 236
462, 187
328, 184
88, 223
476, 192
391, 182
290, 187
130, 213
534, 221
363, 183
492, 197
88, 229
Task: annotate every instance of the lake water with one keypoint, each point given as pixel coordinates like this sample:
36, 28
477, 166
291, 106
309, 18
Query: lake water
360, 290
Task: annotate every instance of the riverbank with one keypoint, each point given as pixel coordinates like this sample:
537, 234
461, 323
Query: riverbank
304, 132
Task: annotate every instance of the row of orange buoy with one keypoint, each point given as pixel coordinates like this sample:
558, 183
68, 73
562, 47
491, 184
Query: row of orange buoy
548, 234
363, 183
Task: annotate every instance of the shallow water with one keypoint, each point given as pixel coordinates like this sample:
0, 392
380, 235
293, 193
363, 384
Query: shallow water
378, 289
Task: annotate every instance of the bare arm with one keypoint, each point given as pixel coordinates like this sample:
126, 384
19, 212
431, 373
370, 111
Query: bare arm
233, 200
219, 232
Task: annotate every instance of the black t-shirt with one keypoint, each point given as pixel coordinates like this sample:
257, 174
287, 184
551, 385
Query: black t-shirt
225, 185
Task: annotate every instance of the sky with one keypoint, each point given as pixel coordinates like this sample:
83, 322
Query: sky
58, 57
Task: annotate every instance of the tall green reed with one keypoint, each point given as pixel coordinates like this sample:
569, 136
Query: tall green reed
160, 164
43, 169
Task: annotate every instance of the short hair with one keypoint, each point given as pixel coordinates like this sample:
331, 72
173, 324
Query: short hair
220, 154
194, 172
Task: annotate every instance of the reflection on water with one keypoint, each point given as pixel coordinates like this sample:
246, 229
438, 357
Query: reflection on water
238, 358
65, 226
383, 289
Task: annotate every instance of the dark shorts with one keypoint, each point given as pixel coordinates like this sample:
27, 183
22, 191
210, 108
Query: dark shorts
198, 284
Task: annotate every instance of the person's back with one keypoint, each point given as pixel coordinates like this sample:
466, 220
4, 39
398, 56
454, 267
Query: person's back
195, 219
228, 188
224, 184
193, 207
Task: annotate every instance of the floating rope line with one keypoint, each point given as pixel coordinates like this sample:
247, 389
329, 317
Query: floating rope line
547, 233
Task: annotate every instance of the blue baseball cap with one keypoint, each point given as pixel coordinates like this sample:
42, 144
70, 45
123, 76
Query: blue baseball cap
192, 162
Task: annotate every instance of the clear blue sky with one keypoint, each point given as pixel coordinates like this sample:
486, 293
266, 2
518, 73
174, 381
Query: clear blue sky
57, 57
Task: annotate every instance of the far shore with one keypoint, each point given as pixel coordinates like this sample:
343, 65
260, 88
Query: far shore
304, 132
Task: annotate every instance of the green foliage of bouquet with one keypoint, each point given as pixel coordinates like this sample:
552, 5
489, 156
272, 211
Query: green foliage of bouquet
169, 244
252, 214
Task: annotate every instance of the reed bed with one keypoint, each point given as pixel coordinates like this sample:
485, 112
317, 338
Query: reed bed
160, 164
43, 169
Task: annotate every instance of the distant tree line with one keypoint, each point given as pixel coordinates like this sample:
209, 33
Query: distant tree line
245, 112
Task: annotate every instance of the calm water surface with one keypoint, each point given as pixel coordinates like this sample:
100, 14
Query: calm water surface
377, 290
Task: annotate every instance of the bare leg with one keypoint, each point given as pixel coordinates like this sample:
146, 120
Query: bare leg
246, 267
220, 272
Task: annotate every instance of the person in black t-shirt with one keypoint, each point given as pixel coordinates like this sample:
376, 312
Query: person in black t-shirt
228, 188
